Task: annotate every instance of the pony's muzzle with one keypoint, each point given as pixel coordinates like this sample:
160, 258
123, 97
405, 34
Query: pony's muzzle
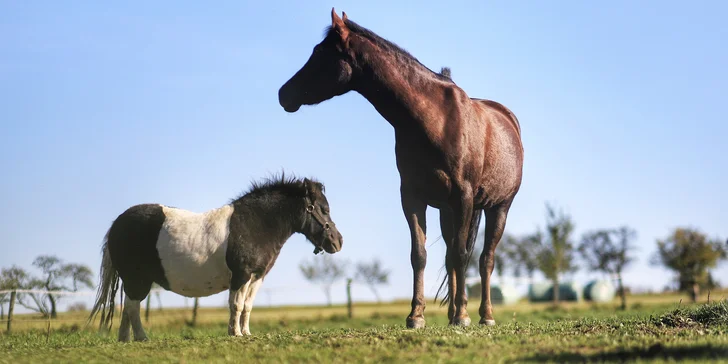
334, 243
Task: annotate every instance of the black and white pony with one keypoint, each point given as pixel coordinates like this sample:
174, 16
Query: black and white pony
199, 254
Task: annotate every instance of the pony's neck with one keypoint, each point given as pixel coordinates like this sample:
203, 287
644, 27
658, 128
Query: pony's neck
275, 218
401, 90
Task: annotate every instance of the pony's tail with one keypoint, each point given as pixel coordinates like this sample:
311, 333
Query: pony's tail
108, 286
472, 235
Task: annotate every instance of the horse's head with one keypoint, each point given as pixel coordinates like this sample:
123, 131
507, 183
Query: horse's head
318, 226
326, 74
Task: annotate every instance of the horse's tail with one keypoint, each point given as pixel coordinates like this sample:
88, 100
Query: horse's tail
108, 286
472, 235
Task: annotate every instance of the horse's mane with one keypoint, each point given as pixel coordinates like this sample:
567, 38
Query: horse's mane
281, 183
386, 44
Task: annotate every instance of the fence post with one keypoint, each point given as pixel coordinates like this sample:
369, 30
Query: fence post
11, 307
194, 311
348, 297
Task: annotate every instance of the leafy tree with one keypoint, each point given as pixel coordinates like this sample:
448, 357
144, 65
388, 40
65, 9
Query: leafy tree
525, 256
608, 251
690, 254
372, 274
556, 249
323, 270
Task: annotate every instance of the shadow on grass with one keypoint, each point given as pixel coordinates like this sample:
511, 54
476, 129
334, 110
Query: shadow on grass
656, 351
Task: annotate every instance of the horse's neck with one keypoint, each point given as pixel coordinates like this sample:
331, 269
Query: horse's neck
402, 92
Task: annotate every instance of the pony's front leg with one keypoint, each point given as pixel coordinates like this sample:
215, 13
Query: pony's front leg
414, 211
236, 302
249, 299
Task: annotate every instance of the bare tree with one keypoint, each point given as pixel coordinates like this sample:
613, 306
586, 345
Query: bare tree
56, 275
608, 251
323, 270
372, 274
556, 252
690, 254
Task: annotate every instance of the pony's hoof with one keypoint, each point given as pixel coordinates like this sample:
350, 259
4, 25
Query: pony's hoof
415, 322
141, 339
487, 322
462, 321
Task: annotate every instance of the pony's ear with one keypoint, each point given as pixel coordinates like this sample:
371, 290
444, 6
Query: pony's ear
308, 186
338, 25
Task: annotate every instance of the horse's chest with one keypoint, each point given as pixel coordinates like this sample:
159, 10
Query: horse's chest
192, 251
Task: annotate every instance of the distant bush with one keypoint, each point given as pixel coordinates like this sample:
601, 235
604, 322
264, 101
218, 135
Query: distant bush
77, 307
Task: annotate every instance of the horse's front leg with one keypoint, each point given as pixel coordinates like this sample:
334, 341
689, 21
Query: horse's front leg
239, 284
414, 211
462, 207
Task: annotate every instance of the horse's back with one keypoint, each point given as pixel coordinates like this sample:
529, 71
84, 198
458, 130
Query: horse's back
192, 248
503, 110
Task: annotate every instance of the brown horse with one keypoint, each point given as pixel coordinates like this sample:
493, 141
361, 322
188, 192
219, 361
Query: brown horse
458, 154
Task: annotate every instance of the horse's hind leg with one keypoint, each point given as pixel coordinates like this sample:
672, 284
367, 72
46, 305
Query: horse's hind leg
446, 227
495, 223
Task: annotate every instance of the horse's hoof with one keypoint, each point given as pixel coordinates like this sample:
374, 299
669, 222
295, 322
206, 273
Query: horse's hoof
463, 321
415, 322
487, 322
143, 339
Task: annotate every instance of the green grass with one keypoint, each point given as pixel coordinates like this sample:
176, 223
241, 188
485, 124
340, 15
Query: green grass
656, 331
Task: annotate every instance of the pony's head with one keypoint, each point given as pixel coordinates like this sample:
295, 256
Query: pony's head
326, 74
318, 227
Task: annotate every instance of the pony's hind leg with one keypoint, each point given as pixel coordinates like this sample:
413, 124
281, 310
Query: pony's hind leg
249, 298
124, 326
132, 308
135, 292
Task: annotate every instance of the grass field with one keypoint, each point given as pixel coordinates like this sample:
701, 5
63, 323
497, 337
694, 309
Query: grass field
654, 329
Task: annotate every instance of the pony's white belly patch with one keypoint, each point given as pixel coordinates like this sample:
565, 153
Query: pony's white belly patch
192, 248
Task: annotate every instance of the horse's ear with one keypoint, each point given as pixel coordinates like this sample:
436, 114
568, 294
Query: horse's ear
338, 25
344, 17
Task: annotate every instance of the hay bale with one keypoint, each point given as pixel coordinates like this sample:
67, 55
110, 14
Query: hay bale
504, 294
544, 292
599, 291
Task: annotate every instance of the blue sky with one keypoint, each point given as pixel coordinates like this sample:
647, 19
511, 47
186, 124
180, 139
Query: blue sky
106, 106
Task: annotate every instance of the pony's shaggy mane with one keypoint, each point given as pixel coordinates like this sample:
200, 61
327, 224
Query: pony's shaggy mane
281, 183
